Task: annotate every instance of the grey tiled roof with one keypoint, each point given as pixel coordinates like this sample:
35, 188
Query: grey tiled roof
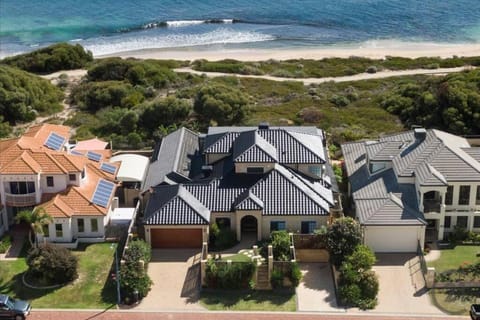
248, 201
251, 147
220, 142
174, 205
216, 196
173, 159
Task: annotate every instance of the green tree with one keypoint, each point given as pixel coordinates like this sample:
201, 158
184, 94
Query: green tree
52, 264
343, 236
221, 104
164, 112
36, 219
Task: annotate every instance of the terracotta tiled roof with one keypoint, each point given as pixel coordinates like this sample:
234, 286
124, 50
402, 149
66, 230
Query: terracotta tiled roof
42, 131
24, 164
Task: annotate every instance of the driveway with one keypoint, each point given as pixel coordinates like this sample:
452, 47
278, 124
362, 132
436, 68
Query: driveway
316, 291
401, 286
176, 280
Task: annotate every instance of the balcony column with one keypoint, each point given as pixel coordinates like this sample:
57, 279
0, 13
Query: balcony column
38, 191
441, 222
420, 205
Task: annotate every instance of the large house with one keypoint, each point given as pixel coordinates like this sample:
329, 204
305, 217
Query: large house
248, 179
413, 187
74, 184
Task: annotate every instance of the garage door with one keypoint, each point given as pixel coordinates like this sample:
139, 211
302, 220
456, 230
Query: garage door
392, 239
176, 238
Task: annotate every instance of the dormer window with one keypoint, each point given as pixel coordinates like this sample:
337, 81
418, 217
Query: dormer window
255, 170
72, 177
375, 167
315, 170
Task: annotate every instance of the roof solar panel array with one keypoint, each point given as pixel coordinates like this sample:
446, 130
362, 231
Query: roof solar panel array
54, 141
102, 193
94, 156
108, 168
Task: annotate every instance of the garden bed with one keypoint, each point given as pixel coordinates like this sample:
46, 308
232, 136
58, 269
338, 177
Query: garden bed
249, 300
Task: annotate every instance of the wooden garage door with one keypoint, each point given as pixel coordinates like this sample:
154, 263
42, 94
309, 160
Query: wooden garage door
176, 238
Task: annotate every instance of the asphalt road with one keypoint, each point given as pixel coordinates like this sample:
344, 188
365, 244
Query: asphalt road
136, 315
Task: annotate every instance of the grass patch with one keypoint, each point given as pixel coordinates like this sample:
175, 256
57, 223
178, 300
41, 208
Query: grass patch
455, 301
92, 289
455, 257
249, 300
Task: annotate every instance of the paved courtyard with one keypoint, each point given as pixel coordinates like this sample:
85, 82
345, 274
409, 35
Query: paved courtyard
176, 280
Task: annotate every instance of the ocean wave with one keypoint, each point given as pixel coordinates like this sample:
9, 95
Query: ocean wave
110, 45
184, 23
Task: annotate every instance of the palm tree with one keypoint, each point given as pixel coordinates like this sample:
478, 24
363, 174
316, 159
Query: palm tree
36, 218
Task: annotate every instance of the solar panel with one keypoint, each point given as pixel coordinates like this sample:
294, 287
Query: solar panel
54, 141
108, 168
94, 156
102, 193
76, 153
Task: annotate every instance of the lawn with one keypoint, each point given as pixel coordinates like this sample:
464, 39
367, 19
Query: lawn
239, 257
455, 301
91, 290
249, 300
455, 257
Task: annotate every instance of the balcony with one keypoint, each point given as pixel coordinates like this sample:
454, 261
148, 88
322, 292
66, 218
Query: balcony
431, 206
20, 200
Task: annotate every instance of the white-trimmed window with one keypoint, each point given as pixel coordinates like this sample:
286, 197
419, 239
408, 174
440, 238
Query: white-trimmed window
81, 225
308, 226
315, 170
94, 225
377, 166
59, 230
277, 225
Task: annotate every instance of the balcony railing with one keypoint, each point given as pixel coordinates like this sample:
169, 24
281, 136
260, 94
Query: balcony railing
20, 200
431, 206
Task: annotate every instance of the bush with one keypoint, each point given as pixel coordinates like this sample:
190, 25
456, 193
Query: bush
362, 258
52, 264
5, 243
339, 100
60, 56
138, 250
295, 274
280, 241
343, 236
224, 276
276, 279
458, 234
371, 69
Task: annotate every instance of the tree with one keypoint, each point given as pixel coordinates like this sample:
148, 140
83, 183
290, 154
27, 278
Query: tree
343, 236
36, 219
165, 112
280, 241
52, 264
222, 104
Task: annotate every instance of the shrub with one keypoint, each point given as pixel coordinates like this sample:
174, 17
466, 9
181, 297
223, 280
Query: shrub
295, 274
5, 243
60, 56
280, 241
226, 238
138, 250
133, 278
343, 236
458, 234
339, 100
52, 264
371, 69
276, 279
224, 276
362, 258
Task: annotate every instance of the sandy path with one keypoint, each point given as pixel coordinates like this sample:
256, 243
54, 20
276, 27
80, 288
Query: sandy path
357, 77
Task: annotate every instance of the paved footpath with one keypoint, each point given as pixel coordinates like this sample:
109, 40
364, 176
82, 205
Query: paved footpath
161, 315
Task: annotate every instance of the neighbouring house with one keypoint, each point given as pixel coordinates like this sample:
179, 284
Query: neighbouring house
76, 186
412, 187
249, 179
130, 174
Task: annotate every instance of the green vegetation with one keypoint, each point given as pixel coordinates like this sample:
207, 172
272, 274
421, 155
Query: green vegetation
221, 275
358, 284
221, 237
280, 241
92, 289
36, 219
134, 279
51, 265
239, 257
23, 96
60, 56
343, 238
453, 258
249, 300
455, 301
329, 67
451, 103
5, 243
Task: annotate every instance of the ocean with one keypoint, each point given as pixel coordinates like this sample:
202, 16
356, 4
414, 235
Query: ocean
112, 26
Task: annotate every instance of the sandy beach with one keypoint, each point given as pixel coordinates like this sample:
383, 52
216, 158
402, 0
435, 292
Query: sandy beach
410, 50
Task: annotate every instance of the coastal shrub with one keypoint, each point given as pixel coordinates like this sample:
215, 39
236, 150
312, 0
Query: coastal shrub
93, 96
164, 111
339, 100
60, 56
222, 104
371, 69
52, 264
221, 275
23, 96
343, 236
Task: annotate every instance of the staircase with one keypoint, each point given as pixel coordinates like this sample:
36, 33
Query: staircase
263, 282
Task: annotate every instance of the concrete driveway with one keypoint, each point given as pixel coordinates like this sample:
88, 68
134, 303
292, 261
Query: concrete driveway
316, 291
176, 280
401, 286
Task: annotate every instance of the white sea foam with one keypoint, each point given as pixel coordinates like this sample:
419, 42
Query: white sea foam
110, 45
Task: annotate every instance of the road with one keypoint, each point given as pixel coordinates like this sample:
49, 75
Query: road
160, 315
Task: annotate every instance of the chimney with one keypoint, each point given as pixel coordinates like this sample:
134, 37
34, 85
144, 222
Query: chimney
263, 126
419, 134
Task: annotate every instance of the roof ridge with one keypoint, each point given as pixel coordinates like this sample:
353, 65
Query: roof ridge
292, 134
50, 155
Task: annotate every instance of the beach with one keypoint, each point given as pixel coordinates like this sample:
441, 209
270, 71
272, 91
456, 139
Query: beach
407, 50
